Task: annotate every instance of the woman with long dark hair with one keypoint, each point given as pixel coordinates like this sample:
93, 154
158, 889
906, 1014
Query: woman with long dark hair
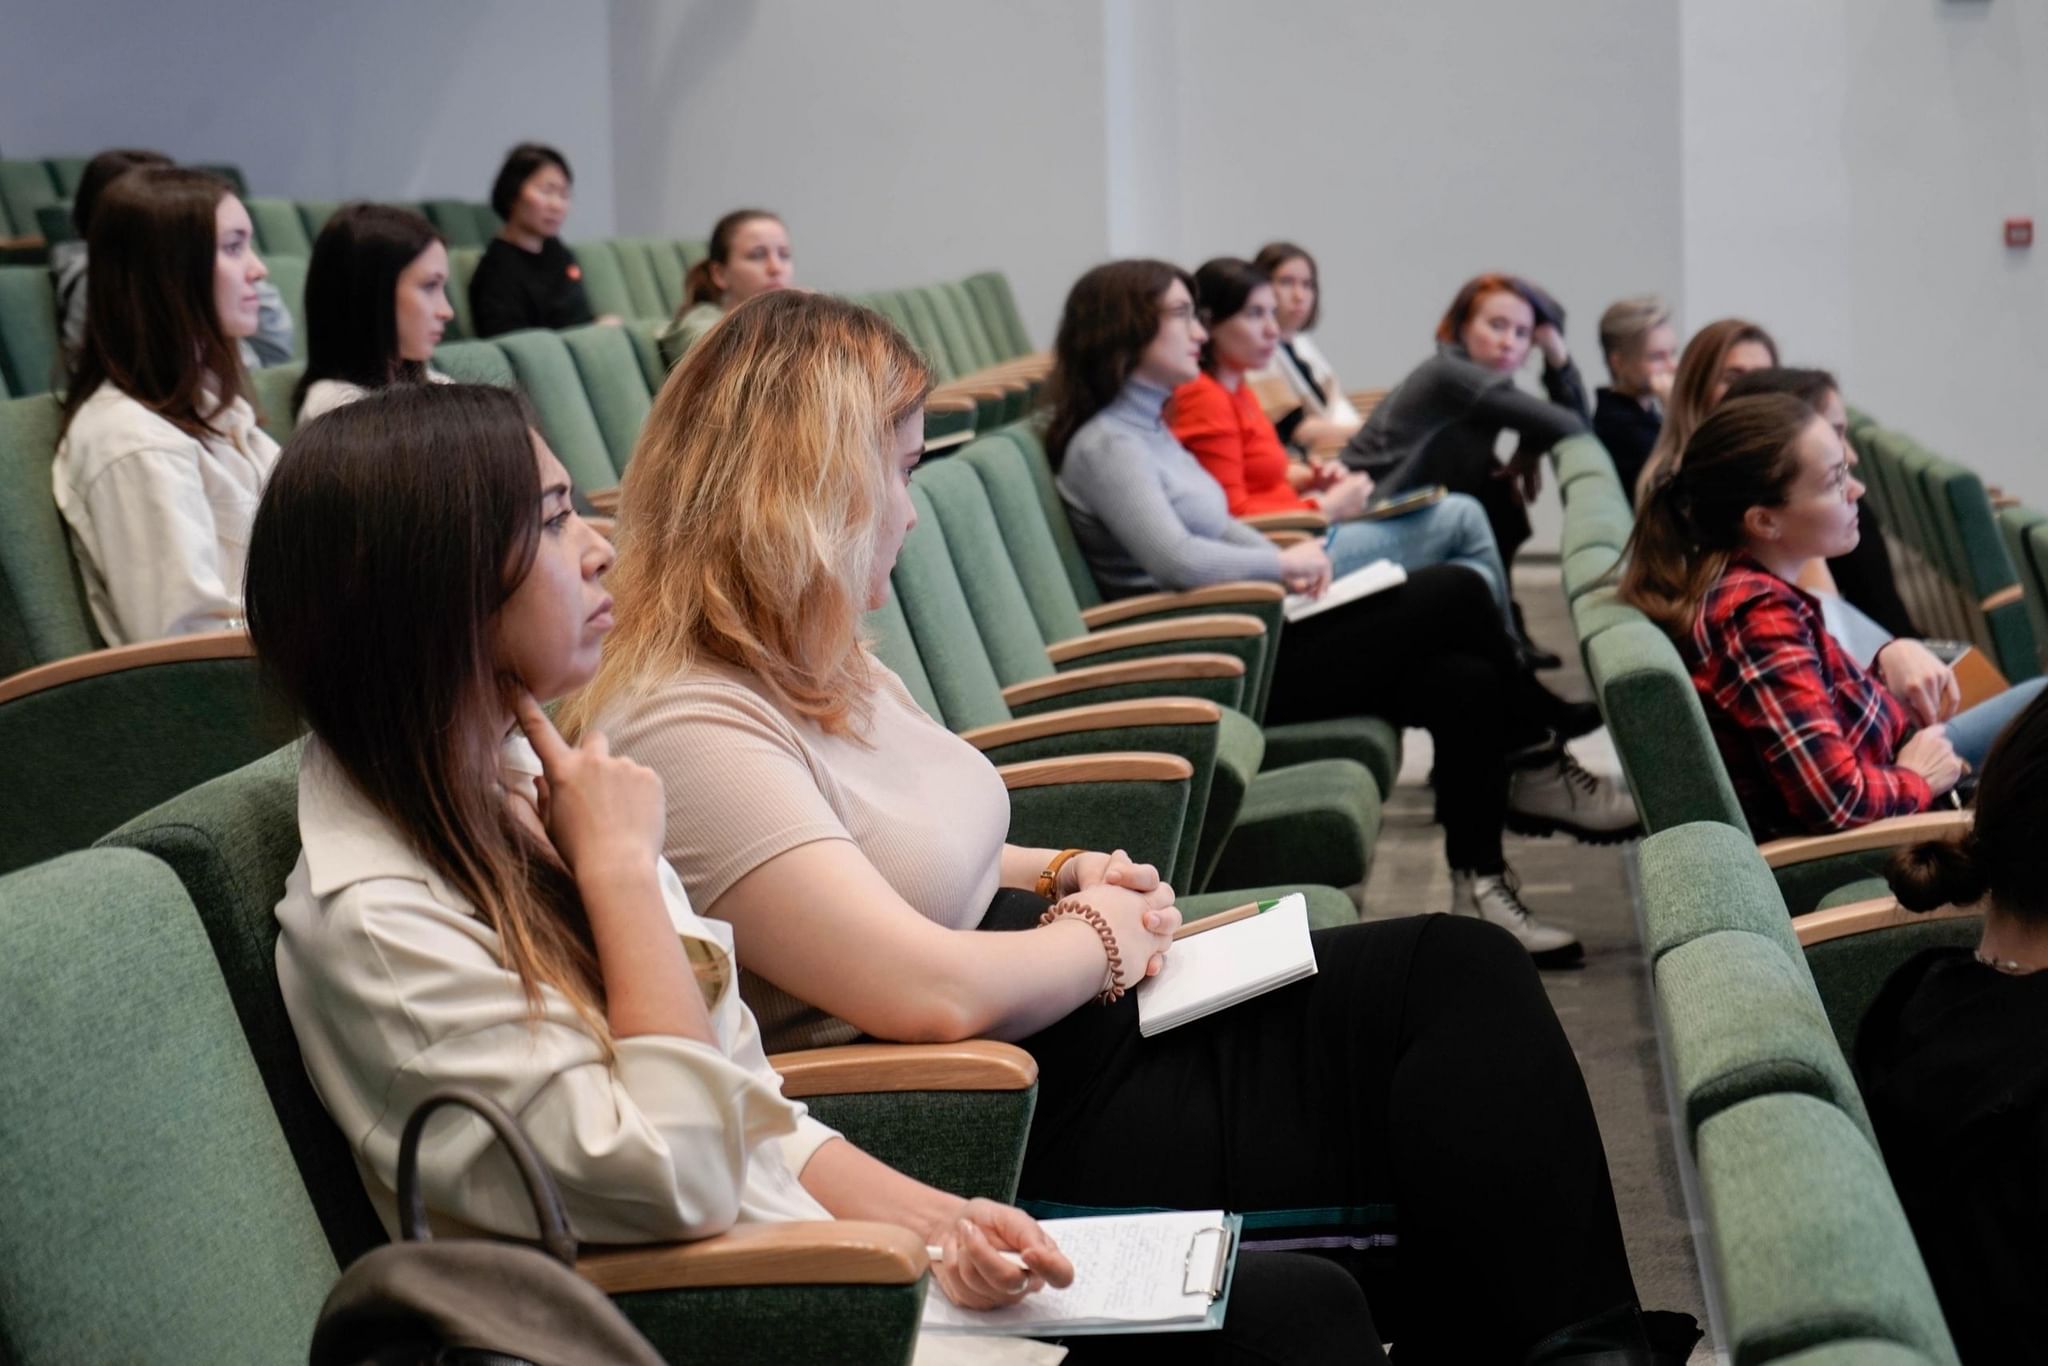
858, 850
161, 462
748, 254
1719, 354
376, 305
1326, 417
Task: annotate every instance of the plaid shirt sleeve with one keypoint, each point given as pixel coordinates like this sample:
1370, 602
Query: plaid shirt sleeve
1779, 696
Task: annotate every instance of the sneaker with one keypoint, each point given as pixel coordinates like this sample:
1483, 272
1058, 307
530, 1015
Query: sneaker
1496, 897
1557, 795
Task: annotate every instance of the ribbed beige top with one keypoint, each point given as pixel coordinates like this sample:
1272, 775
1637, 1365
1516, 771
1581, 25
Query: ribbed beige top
747, 781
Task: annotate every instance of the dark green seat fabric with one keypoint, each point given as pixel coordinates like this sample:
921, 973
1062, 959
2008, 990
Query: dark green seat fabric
27, 186
1579, 457
43, 610
547, 375
2016, 527
1601, 609
314, 213
54, 221
668, 267
1704, 878
1808, 1236
1849, 971
1316, 821
475, 362
604, 283
643, 289
279, 227
692, 250
456, 222
924, 329
991, 291
227, 171
462, 263
1589, 568
1977, 548
149, 1211
29, 351
271, 386
66, 172
1849, 893
612, 381
888, 634
1328, 907
288, 274
647, 351
1659, 728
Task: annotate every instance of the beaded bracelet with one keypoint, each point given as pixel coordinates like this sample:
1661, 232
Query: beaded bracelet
1049, 880
1112, 987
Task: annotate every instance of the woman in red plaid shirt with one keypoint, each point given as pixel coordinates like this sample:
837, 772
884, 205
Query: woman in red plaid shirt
1813, 741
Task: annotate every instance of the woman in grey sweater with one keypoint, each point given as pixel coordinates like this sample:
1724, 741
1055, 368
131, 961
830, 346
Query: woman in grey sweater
1431, 652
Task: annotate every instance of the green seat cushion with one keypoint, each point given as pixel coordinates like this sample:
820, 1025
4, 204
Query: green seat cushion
43, 610
27, 187
636, 264
1660, 730
1589, 567
1312, 822
966, 1142
998, 304
475, 362
889, 637
1739, 1019
314, 213
1369, 740
820, 1325
614, 385
1600, 609
1857, 1352
29, 349
1863, 889
547, 376
1705, 877
279, 229
1807, 1233
1848, 972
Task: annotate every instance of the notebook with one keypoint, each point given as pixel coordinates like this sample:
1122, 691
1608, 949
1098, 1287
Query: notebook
1205, 973
1376, 577
1133, 1273
1402, 504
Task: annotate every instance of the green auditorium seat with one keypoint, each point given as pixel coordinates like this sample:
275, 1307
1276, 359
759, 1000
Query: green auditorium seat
462, 262
991, 291
1984, 572
604, 283
288, 274
614, 385
2017, 526
475, 362
279, 229
668, 267
547, 376
43, 612
314, 213
693, 250
642, 332
53, 221
959, 342
25, 187
67, 172
985, 348
29, 348
272, 387
151, 1211
1853, 950
456, 221
636, 266
227, 171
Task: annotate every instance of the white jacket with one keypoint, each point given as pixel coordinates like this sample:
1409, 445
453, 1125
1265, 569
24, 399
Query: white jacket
395, 989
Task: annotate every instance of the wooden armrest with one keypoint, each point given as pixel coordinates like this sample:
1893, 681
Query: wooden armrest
1884, 834
1211, 595
1122, 766
1363, 399
28, 241
820, 1252
971, 1065
1306, 520
2004, 597
1137, 711
606, 501
934, 444
1158, 669
1862, 917
1283, 539
1275, 395
119, 658
1166, 630
962, 389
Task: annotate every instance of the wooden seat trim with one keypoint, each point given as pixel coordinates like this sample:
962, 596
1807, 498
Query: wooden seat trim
1884, 834
864, 1068
1136, 711
810, 1252
121, 658
1865, 917
1121, 766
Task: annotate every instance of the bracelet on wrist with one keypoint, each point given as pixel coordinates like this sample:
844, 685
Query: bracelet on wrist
1112, 982
1049, 880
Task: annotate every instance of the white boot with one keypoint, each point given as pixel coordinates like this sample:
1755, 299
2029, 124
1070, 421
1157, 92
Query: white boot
1557, 795
1497, 898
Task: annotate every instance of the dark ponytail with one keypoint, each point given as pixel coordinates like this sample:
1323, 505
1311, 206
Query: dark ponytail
2002, 855
1691, 523
697, 286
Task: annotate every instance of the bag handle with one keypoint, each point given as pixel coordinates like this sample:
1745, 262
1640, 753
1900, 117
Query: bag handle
548, 1210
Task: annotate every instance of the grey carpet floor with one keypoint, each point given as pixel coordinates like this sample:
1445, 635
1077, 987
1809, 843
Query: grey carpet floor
1604, 1004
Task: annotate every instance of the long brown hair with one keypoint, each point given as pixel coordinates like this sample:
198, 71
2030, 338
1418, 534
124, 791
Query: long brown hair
697, 285
1741, 457
1111, 316
1274, 255
392, 532
749, 519
2001, 853
152, 328
1692, 391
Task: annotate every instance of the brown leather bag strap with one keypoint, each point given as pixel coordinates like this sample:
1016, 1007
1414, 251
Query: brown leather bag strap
548, 1210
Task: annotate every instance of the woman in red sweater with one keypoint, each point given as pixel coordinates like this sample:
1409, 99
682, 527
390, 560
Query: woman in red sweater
1217, 417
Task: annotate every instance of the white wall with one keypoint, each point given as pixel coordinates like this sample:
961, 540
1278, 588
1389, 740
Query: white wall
1845, 184
388, 98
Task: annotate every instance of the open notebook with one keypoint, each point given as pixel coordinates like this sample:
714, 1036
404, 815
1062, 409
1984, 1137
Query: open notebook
1133, 1273
1220, 968
1376, 577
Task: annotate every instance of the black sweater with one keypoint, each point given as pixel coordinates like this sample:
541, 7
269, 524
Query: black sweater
1629, 431
513, 288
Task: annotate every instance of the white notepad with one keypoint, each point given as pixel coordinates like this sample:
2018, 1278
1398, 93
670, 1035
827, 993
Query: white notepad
1363, 582
1133, 1273
1213, 971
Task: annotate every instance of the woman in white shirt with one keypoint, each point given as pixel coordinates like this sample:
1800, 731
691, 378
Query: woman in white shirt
1326, 416
376, 306
161, 462
478, 901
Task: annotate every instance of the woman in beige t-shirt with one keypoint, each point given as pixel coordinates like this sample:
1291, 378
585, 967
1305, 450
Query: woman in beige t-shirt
854, 846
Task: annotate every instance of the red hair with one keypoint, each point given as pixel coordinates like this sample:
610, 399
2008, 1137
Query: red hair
1478, 287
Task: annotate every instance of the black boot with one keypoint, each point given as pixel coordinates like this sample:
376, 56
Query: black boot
1532, 655
1623, 1336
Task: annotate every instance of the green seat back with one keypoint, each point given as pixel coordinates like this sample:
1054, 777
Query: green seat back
288, 273
279, 227
924, 329
1001, 609
614, 385
314, 213
1588, 568
44, 614
86, 755
1026, 438
889, 303
1601, 609
692, 250
150, 1210
941, 622
953, 328
475, 362
53, 221
643, 290
1583, 457
29, 350
1703, 878
647, 350
1654, 714
668, 268
889, 637
1044, 563
456, 221
547, 375
227, 171
462, 263
604, 283
67, 172
984, 346
991, 290
25, 187
2033, 564
1807, 1232
1988, 569
272, 387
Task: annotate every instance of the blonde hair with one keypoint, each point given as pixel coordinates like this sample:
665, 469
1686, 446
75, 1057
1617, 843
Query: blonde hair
750, 516
1626, 324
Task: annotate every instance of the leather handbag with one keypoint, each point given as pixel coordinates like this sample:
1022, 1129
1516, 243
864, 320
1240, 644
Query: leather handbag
473, 1301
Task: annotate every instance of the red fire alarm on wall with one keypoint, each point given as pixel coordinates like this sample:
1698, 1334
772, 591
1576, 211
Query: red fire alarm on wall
2019, 232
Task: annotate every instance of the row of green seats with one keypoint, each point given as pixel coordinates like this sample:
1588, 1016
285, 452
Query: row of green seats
1811, 1258
35, 196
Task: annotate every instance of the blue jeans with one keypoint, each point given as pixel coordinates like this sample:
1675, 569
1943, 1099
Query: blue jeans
1454, 531
1972, 731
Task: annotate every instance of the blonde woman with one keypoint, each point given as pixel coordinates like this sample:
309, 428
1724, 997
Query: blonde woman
856, 848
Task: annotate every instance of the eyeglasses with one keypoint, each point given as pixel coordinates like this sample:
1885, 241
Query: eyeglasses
1179, 313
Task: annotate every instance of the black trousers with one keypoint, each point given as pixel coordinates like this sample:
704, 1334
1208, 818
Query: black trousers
1430, 653
1418, 1092
1286, 1309
1461, 458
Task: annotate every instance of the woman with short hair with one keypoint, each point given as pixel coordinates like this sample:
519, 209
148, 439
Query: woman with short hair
1642, 355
